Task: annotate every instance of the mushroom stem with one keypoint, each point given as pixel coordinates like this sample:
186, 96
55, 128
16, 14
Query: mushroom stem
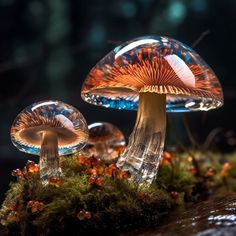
49, 159
144, 151
101, 149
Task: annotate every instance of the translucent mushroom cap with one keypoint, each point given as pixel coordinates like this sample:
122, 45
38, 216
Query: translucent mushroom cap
55, 116
105, 132
153, 64
106, 140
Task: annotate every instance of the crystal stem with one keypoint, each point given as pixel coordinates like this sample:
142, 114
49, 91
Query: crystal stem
142, 155
49, 159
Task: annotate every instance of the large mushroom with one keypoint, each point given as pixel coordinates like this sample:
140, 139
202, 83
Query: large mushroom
49, 129
151, 74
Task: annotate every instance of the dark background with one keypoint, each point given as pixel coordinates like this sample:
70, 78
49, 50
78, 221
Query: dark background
47, 47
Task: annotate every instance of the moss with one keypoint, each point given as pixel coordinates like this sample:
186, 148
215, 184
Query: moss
113, 203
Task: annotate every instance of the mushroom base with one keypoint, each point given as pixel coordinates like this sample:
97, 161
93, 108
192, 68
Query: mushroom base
49, 159
144, 151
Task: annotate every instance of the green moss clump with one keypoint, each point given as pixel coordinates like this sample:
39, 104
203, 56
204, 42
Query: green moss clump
80, 205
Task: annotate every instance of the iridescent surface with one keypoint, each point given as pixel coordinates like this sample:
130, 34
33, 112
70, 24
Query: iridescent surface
55, 116
212, 217
153, 64
105, 141
146, 142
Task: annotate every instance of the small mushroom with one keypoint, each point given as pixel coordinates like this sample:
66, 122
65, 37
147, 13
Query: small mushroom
49, 129
105, 141
153, 75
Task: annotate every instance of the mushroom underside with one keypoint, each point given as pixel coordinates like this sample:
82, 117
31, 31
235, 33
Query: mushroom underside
177, 100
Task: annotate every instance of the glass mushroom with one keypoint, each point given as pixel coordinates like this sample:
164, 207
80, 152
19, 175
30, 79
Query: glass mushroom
49, 129
105, 141
153, 75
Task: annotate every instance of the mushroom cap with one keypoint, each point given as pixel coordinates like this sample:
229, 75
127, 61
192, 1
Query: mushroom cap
105, 132
153, 64
105, 141
55, 116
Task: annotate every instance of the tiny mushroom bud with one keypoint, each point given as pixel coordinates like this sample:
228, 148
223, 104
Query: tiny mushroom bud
13, 217
192, 170
27, 174
82, 215
166, 159
96, 181
88, 215
55, 181
153, 75
174, 195
105, 140
81, 159
32, 167
16, 173
14, 206
111, 170
210, 172
49, 129
225, 169
35, 206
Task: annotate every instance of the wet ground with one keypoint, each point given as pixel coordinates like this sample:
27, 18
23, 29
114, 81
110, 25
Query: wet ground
213, 217
216, 217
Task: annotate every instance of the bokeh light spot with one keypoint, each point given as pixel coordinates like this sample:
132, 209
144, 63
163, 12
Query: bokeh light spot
128, 9
96, 35
176, 12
